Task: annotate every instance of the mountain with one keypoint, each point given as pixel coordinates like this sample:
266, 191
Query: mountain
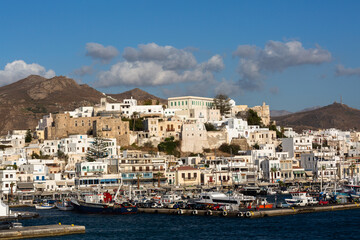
336, 115
277, 113
140, 95
309, 109
26, 101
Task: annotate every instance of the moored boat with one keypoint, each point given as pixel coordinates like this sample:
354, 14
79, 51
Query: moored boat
102, 204
64, 205
44, 206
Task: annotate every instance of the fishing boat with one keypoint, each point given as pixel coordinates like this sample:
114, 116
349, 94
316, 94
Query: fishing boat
64, 205
44, 206
103, 204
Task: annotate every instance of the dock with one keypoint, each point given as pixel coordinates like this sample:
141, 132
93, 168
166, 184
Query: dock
41, 231
19, 215
251, 213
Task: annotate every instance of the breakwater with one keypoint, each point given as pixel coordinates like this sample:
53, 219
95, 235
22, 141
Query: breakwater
41, 231
247, 213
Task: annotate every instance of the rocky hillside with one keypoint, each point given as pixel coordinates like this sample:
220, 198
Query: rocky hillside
139, 95
26, 101
336, 115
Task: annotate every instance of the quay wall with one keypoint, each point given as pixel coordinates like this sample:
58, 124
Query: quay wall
246, 213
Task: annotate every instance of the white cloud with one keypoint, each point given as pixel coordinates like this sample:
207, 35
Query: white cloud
84, 70
153, 65
19, 69
100, 52
342, 71
275, 57
169, 57
228, 87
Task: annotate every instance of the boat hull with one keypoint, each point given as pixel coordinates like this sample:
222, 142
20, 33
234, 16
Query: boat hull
65, 208
103, 208
39, 207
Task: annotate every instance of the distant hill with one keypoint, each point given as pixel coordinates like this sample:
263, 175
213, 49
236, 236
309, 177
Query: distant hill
140, 95
309, 109
26, 101
277, 113
336, 115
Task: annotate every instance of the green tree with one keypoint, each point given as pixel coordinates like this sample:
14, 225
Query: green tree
253, 118
97, 150
210, 127
222, 102
148, 102
256, 146
169, 146
231, 149
28, 136
278, 133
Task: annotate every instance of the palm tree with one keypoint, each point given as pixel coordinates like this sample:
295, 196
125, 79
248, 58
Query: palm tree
134, 116
158, 175
352, 168
273, 172
11, 190
138, 175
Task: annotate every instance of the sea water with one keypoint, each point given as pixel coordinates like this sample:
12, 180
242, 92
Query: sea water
323, 225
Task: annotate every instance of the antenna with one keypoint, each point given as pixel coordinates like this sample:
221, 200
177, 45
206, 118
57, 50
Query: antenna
340, 99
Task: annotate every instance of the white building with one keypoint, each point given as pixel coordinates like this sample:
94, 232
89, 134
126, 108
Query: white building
190, 102
82, 112
7, 180
297, 145
236, 128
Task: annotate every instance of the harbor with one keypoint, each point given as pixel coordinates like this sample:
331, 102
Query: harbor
165, 226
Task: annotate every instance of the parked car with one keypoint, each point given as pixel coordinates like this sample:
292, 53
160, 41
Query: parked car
156, 205
282, 205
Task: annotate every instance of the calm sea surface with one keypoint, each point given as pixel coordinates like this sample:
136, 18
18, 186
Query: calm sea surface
325, 225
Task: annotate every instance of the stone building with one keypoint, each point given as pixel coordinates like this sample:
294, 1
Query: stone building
111, 127
64, 125
262, 111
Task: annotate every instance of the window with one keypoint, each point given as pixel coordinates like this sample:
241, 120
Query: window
183, 175
6, 185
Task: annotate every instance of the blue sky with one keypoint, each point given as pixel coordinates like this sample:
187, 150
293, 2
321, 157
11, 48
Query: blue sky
290, 54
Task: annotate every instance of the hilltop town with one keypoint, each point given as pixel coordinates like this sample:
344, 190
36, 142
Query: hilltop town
187, 142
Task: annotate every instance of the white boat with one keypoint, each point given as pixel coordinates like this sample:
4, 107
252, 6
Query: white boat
44, 206
270, 191
169, 198
64, 206
300, 199
217, 198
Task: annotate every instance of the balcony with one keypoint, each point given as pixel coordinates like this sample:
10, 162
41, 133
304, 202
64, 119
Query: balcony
106, 129
189, 179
